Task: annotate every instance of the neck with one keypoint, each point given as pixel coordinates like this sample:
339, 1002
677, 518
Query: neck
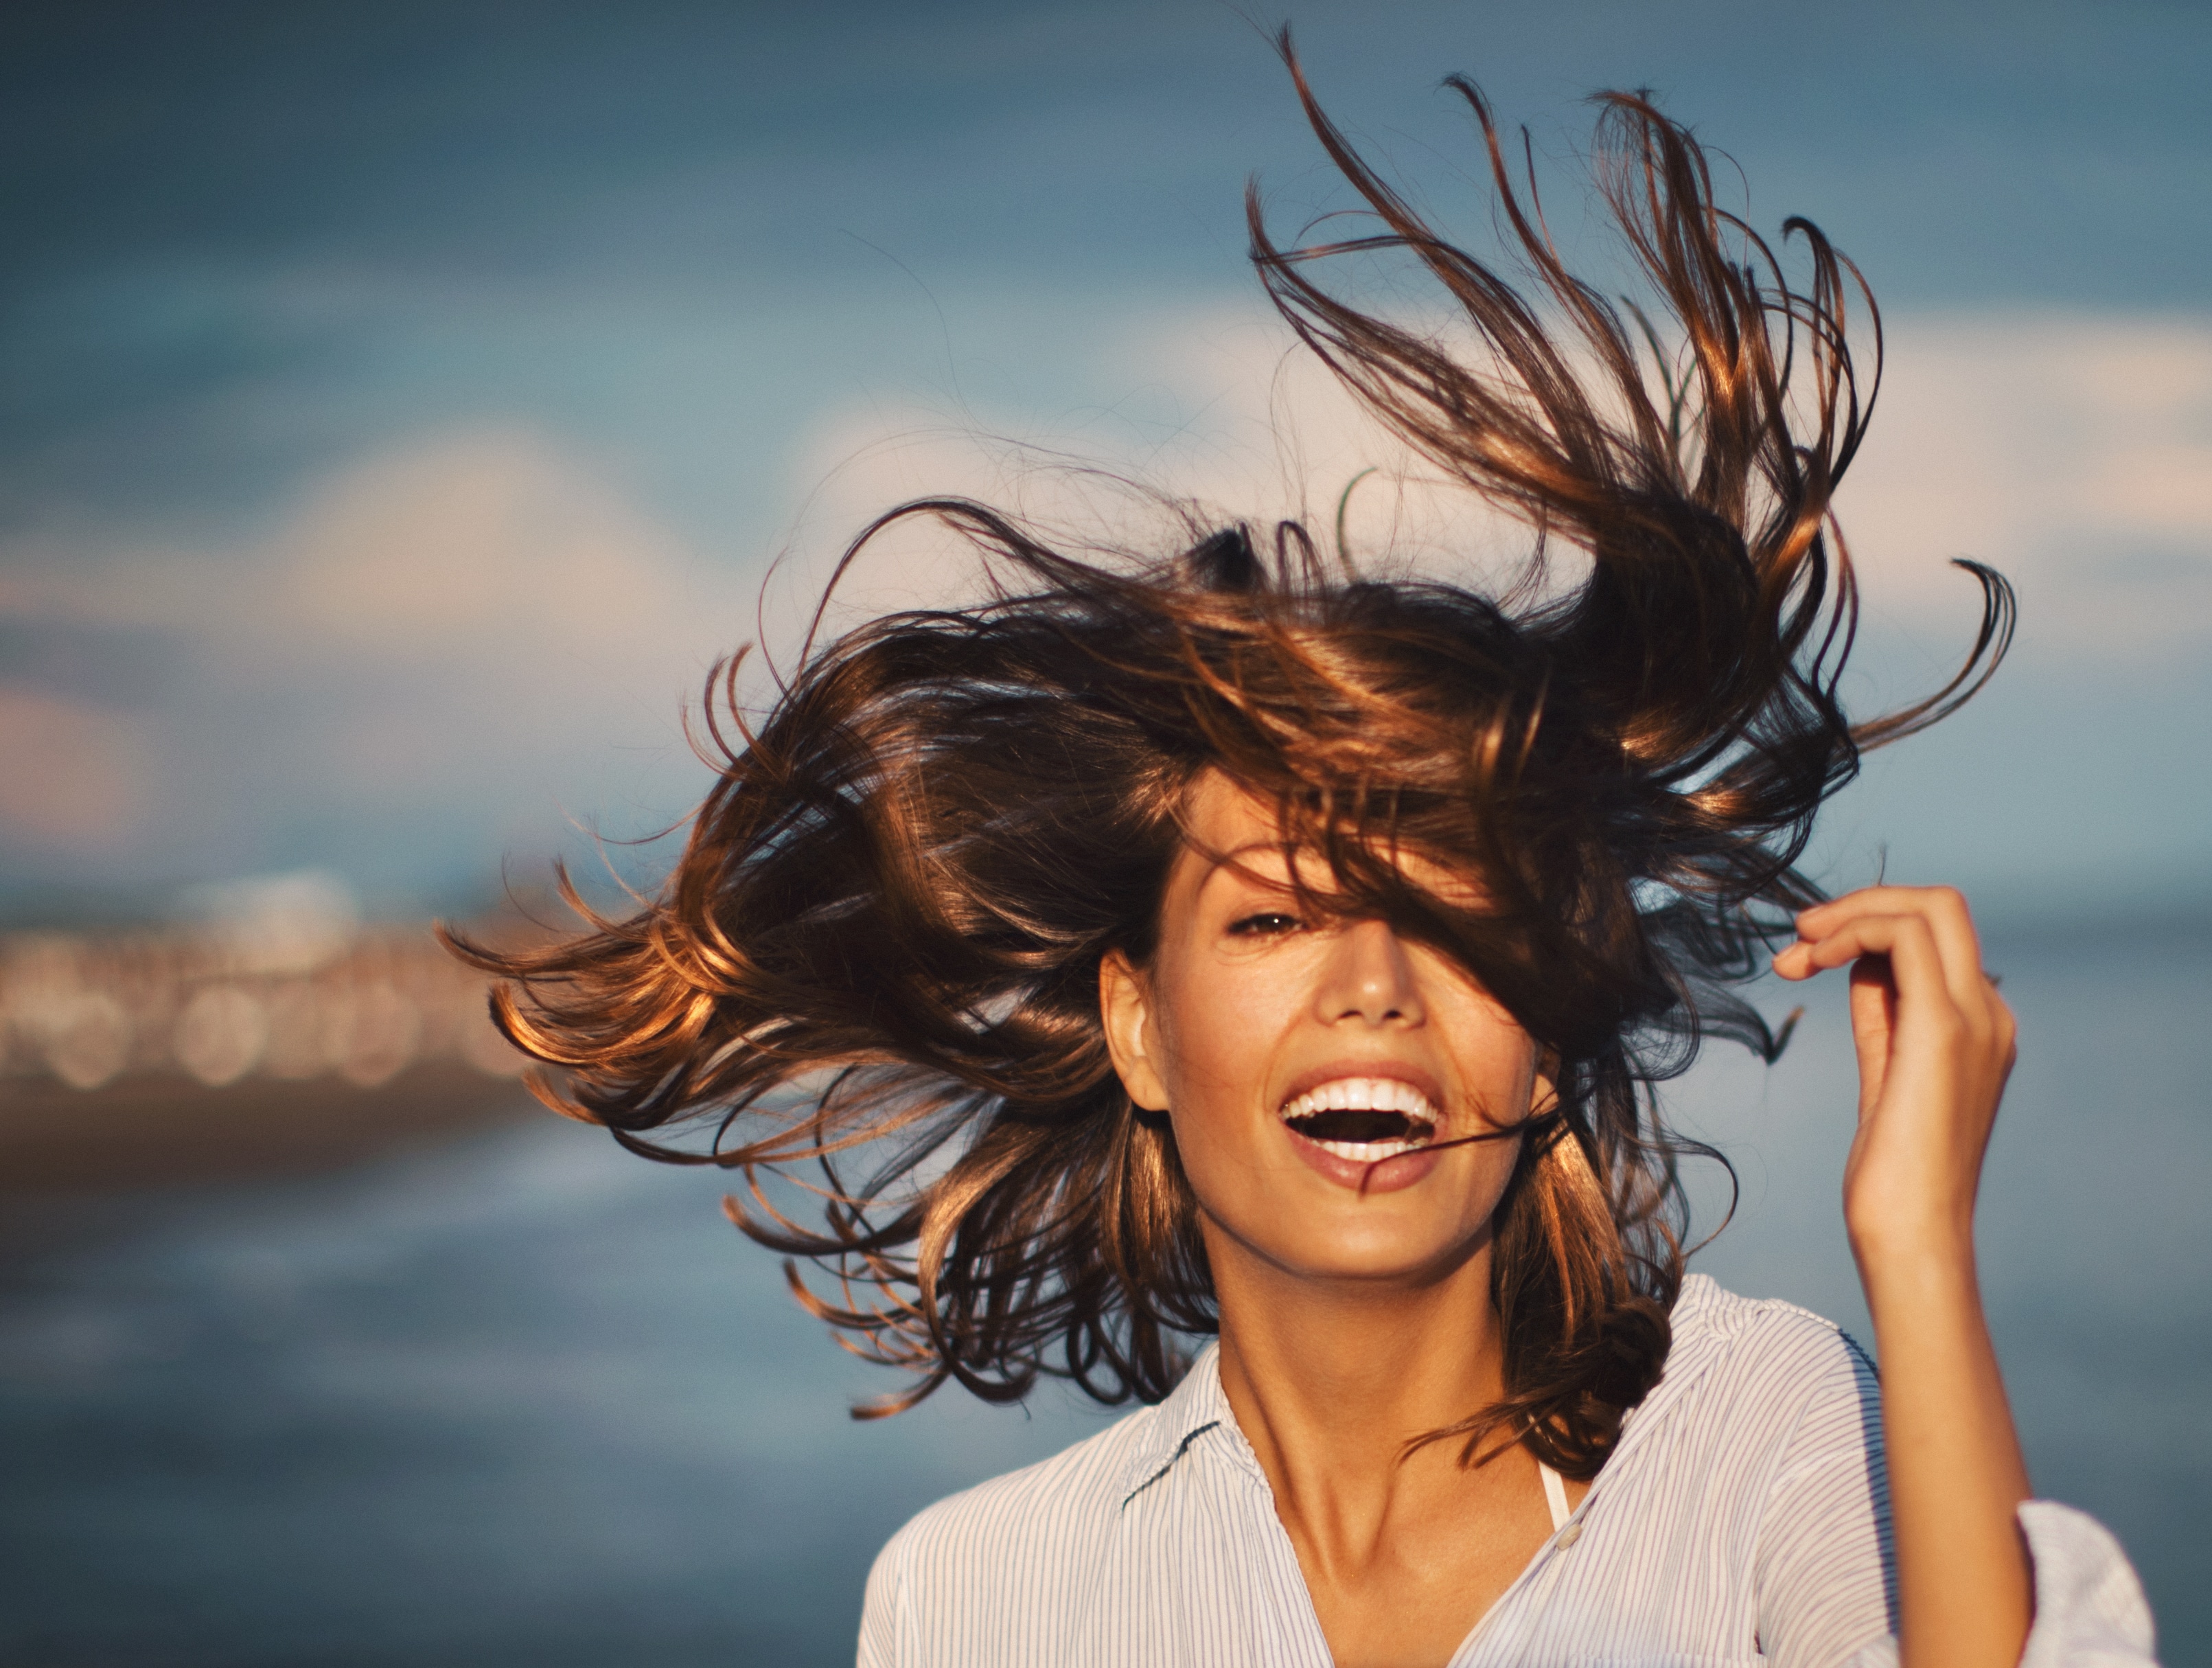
1330, 1379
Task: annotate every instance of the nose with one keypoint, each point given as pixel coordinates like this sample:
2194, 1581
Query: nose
1368, 976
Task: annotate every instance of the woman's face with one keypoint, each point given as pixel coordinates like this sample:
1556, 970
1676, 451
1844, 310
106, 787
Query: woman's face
1310, 1068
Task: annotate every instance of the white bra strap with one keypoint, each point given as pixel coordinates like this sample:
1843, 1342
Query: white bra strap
1555, 1497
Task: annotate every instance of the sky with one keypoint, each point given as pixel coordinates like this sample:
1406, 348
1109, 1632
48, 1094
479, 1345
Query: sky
404, 404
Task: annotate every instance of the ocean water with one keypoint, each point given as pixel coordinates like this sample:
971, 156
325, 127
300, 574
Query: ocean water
524, 1399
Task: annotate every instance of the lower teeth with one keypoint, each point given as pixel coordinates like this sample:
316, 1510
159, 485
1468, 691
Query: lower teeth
1369, 1152
1364, 1138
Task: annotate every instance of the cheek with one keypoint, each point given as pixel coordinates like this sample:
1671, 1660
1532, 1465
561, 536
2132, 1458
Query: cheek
1217, 1040
1493, 1057
1217, 1029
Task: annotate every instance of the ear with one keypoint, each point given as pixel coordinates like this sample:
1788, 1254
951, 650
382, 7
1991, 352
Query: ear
1544, 1091
1125, 1003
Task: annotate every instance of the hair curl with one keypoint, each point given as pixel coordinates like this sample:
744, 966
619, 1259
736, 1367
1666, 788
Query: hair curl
883, 940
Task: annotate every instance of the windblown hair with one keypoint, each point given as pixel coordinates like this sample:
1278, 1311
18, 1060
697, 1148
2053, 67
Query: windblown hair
880, 950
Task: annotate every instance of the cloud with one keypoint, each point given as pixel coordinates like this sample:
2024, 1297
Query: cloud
484, 538
490, 542
76, 773
1198, 418
478, 621
2072, 452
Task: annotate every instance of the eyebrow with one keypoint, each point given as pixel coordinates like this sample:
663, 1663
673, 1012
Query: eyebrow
1230, 855
1227, 859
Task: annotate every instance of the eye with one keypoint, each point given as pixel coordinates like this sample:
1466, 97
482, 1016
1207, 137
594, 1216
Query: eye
1268, 923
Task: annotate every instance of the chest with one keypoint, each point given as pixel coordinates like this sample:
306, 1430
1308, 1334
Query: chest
1416, 1583
1205, 1575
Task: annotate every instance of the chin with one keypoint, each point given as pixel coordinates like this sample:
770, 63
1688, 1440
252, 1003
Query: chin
1379, 1250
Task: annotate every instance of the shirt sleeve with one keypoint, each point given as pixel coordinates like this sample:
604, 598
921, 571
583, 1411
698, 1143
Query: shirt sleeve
2090, 1612
880, 1611
1826, 1565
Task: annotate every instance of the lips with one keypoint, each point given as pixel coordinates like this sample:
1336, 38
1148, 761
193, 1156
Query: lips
1364, 1120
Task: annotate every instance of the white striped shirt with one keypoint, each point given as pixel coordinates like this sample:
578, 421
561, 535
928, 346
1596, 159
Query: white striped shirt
1743, 1519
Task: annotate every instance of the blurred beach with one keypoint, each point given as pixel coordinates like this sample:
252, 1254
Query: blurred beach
520, 1398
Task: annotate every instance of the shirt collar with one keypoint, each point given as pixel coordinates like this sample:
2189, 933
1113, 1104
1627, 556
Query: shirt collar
1197, 1405
1701, 1331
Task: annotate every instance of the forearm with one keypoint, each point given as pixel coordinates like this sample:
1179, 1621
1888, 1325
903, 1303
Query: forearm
1965, 1591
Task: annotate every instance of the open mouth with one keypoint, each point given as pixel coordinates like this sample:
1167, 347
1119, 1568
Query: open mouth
1364, 1119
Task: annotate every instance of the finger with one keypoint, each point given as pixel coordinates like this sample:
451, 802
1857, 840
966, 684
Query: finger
1916, 962
1878, 900
1873, 1023
1945, 909
1818, 946
1898, 981
1795, 960
1960, 946
2005, 1025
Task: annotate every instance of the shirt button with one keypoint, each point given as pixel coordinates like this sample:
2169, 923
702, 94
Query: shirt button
1570, 1535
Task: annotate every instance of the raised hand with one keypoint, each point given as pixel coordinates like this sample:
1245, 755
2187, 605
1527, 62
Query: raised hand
1935, 1043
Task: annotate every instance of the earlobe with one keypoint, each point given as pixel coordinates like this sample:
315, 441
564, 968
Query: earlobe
1125, 1007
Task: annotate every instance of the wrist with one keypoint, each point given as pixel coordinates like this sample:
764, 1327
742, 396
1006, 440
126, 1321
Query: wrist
1916, 1262
1915, 1237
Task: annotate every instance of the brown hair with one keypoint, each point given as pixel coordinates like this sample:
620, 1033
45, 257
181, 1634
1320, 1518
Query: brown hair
880, 948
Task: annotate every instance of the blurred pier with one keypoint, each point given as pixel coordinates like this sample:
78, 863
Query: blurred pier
275, 1033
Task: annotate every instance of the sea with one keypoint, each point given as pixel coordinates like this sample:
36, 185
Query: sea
522, 1398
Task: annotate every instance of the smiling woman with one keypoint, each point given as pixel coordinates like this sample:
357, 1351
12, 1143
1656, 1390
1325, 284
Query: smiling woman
1234, 945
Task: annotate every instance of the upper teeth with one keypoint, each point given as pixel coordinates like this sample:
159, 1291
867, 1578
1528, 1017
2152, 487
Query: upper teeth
1364, 1094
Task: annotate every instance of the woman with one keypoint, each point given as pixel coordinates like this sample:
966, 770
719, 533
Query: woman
1233, 945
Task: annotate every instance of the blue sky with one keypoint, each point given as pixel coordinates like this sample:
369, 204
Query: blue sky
404, 402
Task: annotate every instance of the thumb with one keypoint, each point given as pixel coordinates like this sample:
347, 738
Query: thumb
1874, 1020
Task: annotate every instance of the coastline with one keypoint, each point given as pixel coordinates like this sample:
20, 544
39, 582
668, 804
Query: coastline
162, 1130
